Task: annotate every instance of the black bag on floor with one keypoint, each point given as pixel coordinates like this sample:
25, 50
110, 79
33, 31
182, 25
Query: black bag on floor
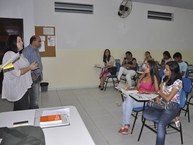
24, 135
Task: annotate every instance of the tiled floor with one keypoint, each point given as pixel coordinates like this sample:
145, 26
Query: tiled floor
101, 113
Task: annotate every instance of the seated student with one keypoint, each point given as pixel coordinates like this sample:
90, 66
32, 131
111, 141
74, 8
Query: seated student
148, 83
128, 68
109, 68
169, 92
147, 56
183, 65
166, 58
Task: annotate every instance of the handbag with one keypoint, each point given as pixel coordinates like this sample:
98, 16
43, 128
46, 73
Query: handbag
162, 105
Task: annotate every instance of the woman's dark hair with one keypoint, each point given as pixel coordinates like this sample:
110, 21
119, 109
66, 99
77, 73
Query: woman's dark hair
105, 58
12, 43
147, 52
175, 73
153, 70
167, 54
129, 53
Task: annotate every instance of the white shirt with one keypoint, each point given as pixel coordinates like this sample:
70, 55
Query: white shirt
183, 67
111, 61
178, 85
15, 85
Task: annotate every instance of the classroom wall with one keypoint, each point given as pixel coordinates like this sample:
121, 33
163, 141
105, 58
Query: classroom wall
81, 39
20, 9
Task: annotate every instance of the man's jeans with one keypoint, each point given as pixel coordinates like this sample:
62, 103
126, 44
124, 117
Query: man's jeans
34, 95
164, 117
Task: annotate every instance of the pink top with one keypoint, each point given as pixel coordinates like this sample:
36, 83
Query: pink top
146, 86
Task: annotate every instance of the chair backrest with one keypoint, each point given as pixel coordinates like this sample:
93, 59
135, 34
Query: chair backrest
187, 85
182, 99
161, 73
187, 73
117, 64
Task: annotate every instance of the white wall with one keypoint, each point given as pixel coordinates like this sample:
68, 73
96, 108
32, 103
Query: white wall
20, 9
81, 38
105, 29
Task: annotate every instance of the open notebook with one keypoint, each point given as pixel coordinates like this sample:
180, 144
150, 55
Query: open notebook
137, 96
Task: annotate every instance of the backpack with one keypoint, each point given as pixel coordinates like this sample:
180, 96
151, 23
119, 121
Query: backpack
23, 135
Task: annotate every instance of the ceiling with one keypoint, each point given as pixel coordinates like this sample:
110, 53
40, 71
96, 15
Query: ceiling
186, 4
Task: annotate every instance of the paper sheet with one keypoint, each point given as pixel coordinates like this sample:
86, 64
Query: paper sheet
43, 38
51, 40
42, 48
56, 111
14, 58
48, 31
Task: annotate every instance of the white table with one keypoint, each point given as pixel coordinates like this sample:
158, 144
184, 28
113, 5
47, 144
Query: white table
74, 134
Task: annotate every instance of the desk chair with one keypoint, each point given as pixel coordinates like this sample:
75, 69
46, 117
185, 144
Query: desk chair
113, 76
172, 124
161, 74
188, 104
187, 87
135, 115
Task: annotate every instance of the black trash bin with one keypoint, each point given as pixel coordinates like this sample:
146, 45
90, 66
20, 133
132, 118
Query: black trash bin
44, 86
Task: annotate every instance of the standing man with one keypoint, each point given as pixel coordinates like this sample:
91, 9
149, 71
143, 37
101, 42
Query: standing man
31, 52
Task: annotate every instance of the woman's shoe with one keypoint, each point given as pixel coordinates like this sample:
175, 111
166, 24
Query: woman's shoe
99, 86
125, 131
102, 88
121, 130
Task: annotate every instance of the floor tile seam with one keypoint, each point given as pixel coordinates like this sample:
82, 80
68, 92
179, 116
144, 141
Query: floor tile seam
103, 135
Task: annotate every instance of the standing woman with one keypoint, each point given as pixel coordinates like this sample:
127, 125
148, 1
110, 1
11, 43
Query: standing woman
109, 68
17, 82
169, 92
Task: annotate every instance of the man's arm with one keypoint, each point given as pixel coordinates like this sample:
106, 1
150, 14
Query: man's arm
124, 62
131, 66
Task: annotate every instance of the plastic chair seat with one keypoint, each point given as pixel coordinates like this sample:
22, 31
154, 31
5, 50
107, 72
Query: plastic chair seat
138, 109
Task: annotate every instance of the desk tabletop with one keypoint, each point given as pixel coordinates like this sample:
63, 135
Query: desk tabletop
75, 133
8, 118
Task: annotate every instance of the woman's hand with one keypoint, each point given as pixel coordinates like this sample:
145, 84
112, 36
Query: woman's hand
33, 66
158, 100
143, 92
